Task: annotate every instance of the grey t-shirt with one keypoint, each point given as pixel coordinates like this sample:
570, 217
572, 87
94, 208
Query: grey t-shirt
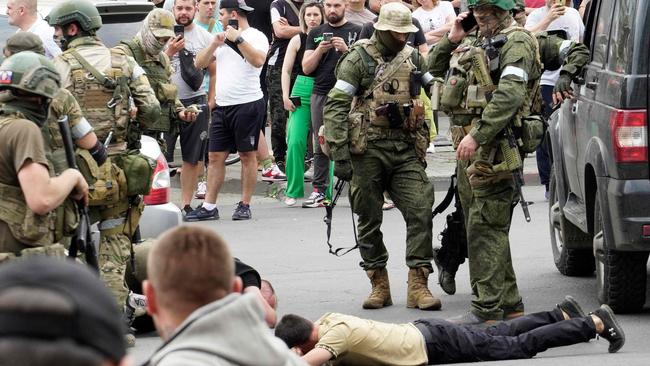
196, 39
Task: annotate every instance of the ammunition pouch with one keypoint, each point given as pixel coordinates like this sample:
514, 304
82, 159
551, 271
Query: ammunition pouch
138, 170
26, 226
482, 173
459, 132
53, 250
453, 92
67, 219
106, 183
531, 132
358, 132
415, 118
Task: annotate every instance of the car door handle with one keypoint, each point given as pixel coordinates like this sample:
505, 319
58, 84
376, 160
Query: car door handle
592, 85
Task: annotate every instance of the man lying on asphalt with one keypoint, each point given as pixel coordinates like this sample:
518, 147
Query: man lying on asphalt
349, 340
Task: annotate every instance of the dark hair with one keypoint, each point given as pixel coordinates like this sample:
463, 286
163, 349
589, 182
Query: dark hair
294, 330
239, 12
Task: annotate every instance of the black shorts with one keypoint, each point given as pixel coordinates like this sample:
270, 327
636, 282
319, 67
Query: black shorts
237, 127
194, 135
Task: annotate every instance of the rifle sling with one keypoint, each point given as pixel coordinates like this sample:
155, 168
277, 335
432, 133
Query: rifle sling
339, 252
447, 200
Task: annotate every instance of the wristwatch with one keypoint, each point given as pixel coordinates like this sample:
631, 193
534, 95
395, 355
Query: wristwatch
239, 40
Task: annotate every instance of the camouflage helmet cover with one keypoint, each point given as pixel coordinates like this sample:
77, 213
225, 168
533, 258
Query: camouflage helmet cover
395, 17
502, 4
31, 73
81, 11
24, 41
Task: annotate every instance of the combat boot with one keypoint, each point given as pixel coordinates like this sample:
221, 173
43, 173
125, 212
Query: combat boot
418, 294
380, 293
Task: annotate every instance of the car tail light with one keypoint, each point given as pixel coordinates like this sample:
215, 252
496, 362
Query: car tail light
629, 135
160, 184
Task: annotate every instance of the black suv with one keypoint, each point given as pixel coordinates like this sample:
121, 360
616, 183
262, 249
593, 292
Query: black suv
599, 209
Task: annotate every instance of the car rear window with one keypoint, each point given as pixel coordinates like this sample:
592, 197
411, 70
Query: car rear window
112, 34
628, 36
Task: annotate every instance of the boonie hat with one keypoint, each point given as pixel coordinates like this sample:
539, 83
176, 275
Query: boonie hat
47, 298
235, 4
395, 17
161, 22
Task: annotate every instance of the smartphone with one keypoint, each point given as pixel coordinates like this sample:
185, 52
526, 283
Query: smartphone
179, 30
469, 22
296, 101
327, 37
560, 2
233, 23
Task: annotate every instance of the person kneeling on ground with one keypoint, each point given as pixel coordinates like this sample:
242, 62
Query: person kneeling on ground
193, 296
350, 340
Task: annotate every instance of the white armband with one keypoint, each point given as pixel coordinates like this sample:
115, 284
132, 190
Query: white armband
516, 71
345, 87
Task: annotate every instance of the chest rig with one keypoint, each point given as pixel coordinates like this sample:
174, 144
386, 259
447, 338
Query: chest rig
104, 98
390, 102
159, 74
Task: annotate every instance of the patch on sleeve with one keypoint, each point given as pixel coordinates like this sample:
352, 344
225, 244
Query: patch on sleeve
6, 76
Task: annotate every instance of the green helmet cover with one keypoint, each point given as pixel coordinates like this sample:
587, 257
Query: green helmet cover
81, 11
502, 4
31, 73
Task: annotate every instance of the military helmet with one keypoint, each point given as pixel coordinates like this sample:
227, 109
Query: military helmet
24, 41
395, 17
161, 22
506, 5
31, 73
520, 5
81, 11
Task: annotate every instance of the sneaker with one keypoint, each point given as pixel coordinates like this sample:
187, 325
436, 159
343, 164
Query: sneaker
289, 201
613, 332
135, 306
201, 188
273, 173
431, 149
242, 212
187, 209
571, 307
201, 214
316, 199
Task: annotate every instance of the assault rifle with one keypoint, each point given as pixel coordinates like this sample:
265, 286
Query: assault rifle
512, 158
82, 241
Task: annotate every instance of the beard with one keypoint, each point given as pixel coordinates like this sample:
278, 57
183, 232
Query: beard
184, 22
334, 18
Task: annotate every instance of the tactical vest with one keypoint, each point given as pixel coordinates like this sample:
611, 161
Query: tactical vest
26, 226
104, 96
395, 89
462, 94
159, 76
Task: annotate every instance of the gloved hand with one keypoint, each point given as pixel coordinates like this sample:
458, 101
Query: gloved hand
562, 89
343, 169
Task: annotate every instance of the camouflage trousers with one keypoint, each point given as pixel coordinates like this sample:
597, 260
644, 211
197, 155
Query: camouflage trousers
278, 114
488, 214
392, 166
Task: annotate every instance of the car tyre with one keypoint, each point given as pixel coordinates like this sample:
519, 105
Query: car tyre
621, 276
570, 262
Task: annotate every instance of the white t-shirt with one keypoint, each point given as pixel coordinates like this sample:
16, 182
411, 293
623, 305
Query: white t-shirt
196, 40
570, 22
435, 18
238, 82
46, 34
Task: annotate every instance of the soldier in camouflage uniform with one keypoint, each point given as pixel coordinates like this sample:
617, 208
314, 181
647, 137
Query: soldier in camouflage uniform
484, 105
555, 52
146, 48
381, 146
109, 87
30, 222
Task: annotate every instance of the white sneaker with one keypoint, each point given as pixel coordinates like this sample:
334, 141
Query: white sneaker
289, 201
431, 149
273, 173
201, 189
309, 174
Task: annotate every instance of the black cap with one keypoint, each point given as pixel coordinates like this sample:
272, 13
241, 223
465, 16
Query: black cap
235, 4
48, 298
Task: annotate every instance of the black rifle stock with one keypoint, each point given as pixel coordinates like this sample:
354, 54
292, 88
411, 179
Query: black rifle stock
82, 240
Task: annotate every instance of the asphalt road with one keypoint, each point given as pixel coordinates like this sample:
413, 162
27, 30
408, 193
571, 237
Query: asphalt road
287, 245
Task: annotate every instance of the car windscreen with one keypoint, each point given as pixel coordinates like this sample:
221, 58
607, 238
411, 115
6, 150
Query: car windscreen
112, 33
